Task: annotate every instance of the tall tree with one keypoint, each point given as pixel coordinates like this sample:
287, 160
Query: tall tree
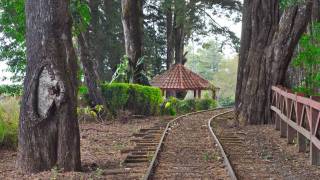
132, 20
48, 129
191, 17
91, 76
267, 46
169, 28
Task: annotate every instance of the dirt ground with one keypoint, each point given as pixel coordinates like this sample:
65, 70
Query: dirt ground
101, 146
258, 152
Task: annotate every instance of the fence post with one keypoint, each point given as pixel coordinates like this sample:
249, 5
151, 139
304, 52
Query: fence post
291, 134
283, 128
302, 144
314, 151
277, 122
314, 154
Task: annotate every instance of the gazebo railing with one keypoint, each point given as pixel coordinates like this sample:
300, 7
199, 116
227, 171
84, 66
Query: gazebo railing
297, 117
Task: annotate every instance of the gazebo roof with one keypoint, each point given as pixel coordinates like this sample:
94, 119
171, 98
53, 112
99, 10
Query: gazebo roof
180, 78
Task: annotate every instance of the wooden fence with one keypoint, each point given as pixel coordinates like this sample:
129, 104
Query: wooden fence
297, 117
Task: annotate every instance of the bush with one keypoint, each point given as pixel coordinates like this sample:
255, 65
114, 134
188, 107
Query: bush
226, 102
205, 104
117, 95
169, 109
11, 90
142, 100
186, 106
174, 106
9, 118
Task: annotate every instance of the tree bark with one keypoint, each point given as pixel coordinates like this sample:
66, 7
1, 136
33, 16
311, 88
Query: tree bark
91, 77
179, 30
48, 128
97, 39
244, 48
272, 43
179, 44
132, 20
170, 40
114, 33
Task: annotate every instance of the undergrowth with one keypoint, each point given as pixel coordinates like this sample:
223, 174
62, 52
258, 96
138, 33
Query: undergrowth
9, 118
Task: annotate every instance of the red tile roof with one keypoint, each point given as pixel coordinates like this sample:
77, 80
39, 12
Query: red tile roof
180, 77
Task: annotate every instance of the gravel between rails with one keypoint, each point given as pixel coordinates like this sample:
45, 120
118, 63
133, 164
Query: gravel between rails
189, 151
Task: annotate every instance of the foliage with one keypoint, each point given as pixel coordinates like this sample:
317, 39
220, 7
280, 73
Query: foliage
141, 100
117, 95
308, 59
210, 64
11, 90
198, 18
9, 118
175, 106
205, 104
154, 38
125, 74
226, 101
13, 30
12, 39
169, 109
86, 113
80, 13
226, 79
205, 61
144, 100
120, 74
284, 4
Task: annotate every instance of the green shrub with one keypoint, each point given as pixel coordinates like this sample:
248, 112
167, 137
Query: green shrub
142, 100
186, 106
117, 95
226, 102
11, 90
205, 104
175, 106
9, 118
169, 109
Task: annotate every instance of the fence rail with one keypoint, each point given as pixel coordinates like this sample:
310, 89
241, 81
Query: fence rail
297, 117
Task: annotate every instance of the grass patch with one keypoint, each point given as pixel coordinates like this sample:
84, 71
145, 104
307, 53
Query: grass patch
9, 118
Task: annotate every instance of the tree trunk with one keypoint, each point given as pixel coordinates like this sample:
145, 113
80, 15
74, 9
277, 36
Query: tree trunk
179, 44
272, 44
132, 20
179, 30
48, 128
170, 40
316, 11
97, 38
244, 48
114, 33
90, 72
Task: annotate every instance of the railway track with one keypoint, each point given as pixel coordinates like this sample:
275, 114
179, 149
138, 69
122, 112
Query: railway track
203, 145
187, 150
247, 163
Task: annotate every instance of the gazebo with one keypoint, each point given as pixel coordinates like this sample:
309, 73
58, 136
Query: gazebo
179, 79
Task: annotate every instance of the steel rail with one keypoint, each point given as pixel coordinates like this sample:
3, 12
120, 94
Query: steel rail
225, 158
152, 166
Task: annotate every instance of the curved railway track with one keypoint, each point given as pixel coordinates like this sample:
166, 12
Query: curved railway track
206, 145
188, 150
246, 161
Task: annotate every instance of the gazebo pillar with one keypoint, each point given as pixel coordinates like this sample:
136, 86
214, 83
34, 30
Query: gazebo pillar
194, 94
199, 93
164, 93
